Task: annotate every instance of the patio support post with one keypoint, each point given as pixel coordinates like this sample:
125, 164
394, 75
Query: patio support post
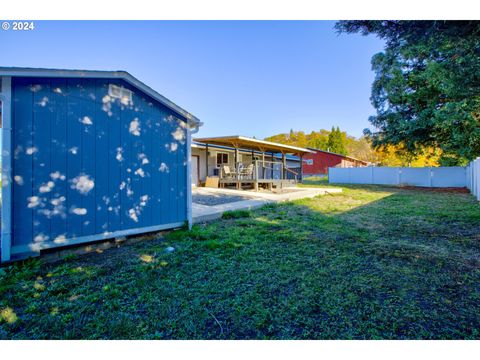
263, 165
206, 161
255, 177
271, 167
284, 165
239, 184
255, 169
301, 167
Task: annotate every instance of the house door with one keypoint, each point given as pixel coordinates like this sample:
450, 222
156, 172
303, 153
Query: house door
195, 172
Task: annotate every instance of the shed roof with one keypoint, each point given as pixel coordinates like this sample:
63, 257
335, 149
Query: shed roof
244, 142
123, 75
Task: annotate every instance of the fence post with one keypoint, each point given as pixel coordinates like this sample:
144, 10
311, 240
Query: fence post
477, 177
467, 176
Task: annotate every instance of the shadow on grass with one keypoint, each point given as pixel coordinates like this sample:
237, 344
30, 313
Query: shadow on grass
370, 263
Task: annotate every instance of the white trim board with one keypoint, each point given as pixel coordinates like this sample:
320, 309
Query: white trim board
36, 248
6, 150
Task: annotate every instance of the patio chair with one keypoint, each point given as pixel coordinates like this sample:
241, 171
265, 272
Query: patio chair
247, 172
228, 174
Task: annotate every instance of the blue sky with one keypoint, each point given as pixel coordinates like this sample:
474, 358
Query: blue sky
239, 77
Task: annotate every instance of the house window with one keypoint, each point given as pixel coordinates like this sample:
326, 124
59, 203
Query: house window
119, 92
222, 159
308, 161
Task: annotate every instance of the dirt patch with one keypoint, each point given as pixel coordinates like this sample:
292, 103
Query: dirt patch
457, 190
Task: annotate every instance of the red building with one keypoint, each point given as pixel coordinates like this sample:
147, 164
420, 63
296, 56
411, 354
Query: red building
318, 163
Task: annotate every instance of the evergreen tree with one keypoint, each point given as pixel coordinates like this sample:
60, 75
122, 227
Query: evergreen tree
427, 86
337, 141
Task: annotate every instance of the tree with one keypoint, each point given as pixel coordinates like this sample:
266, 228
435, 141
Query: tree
427, 86
361, 149
318, 139
398, 155
337, 141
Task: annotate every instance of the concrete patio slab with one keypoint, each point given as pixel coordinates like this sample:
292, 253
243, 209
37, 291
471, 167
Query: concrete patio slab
203, 213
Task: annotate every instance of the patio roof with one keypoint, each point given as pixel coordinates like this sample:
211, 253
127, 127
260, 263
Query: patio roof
243, 142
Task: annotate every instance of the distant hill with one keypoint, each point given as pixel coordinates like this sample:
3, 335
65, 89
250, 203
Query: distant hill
333, 140
339, 141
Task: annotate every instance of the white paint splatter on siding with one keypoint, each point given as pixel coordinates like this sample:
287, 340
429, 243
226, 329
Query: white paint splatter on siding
18, 179
86, 121
44, 188
140, 172
164, 167
79, 211
179, 134
83, 184
134, 128
33, 201
57, 176
119, 156
31, 150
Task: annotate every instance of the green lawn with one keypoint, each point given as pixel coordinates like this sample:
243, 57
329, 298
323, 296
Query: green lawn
371, 263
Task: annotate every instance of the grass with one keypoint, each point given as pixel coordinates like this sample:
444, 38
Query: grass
370, 263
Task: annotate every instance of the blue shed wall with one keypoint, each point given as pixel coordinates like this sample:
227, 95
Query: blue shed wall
86, 166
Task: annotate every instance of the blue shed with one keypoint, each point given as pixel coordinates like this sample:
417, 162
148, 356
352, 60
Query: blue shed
89, 155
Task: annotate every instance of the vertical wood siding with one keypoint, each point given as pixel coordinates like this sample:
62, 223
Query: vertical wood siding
86, 164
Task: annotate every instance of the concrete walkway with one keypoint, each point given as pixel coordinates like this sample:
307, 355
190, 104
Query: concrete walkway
202, 213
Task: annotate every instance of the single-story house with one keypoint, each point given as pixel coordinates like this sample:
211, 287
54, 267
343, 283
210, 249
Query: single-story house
225, 155
89, 155
249, 161
318, 161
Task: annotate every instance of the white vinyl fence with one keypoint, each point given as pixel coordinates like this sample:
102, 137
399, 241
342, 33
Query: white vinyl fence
453, 176
473, 177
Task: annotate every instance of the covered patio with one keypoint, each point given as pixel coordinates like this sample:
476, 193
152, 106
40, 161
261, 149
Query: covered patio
260, 168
